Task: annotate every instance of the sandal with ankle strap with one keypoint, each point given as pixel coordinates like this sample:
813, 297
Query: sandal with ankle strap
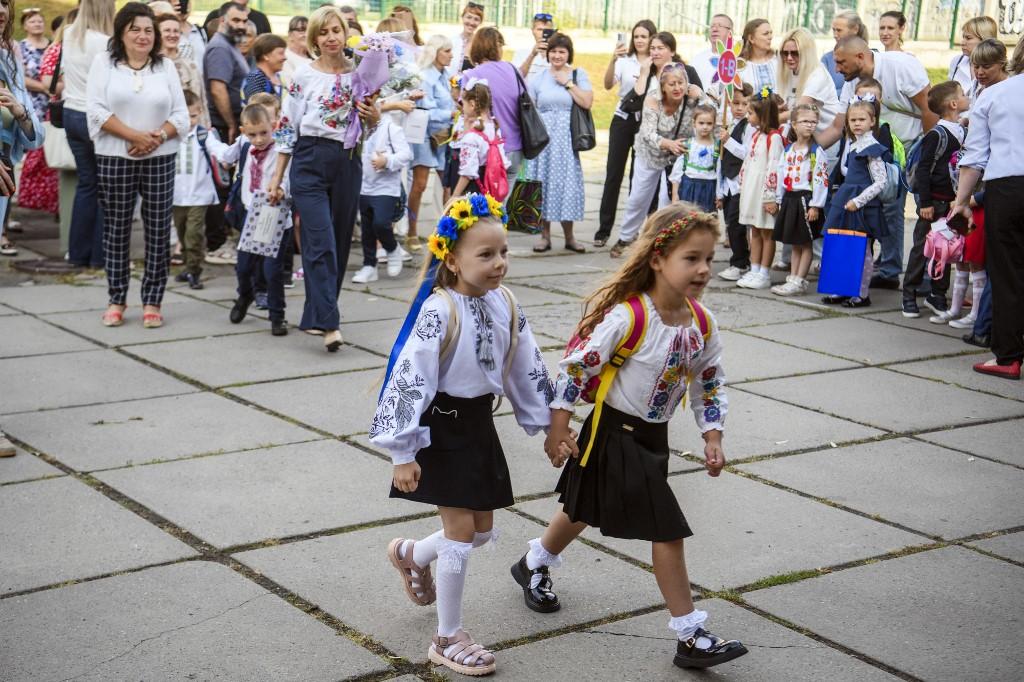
418, 583
152, 320
113, 318
466, 656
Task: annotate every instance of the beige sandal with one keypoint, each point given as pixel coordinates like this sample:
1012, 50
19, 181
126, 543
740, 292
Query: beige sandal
418, 582
466, 657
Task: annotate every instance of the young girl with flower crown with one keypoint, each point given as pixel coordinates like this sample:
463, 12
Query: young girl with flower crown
464, 341
646, 322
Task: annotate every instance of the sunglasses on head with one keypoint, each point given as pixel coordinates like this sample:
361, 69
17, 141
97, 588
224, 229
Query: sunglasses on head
475, 5
543, 16
29, 10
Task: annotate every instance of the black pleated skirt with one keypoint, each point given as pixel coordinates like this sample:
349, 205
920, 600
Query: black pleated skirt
623, 490
464, 465
791, 224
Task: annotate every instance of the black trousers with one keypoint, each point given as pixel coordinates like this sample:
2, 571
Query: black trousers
737, 233
1004, 261
621, 135
914, 276
376, 213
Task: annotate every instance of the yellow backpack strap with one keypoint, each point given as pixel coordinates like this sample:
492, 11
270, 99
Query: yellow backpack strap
627, 346
454, 326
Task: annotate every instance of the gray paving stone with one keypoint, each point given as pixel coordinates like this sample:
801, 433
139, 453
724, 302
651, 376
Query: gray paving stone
376, 337
1000, 441
580, 285
882, 300
55, 298
25, 335
1010, 546
244, 358
25, 467
736, 311
595, 263
862, 340
246, 497
919, 323
5, 311
642, 648
341, 404
946, 614
747, 357
872, 478
880, 398
960, 372
530, 297
758, 426
735, 517
196, 620
141, 431
558, 323
61, 529
83, 378
349, 574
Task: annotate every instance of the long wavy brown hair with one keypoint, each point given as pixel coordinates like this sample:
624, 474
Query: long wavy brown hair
636, 276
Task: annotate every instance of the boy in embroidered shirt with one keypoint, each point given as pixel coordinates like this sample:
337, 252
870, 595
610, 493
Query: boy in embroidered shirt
194, 191
735, 146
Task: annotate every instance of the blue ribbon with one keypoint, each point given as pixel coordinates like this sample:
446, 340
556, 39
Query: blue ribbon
426, 288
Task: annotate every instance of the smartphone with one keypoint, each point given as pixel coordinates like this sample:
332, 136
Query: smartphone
547, 33
622, 39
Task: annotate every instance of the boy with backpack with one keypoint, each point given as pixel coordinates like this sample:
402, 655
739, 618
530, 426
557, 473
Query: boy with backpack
194, 191
931, 168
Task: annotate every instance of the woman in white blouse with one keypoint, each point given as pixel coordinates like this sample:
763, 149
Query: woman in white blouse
326, 169
136, 115
803, 79
762, 62
973, 32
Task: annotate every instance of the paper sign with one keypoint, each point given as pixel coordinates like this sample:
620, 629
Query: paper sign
416, 126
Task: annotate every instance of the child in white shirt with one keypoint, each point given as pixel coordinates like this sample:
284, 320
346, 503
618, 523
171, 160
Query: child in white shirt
475, 132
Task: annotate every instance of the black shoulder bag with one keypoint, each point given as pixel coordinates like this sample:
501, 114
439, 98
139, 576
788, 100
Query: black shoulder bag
56, 106
633, 103
531, 127
581, 126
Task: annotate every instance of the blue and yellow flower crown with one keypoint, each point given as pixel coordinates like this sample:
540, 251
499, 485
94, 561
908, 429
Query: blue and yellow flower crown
463, 214
765, 93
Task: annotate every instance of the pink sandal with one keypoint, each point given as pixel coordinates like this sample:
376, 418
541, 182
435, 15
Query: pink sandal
466, 657
418, 582
113, 317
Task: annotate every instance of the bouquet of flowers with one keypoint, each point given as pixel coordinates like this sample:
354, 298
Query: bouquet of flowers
374, 54
405, 76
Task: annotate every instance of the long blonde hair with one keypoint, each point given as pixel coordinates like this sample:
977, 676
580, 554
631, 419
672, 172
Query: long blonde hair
93, 15
435, 44
636, 276
808, 62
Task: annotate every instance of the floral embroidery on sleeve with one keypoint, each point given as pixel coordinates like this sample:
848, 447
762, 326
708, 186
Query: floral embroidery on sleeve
539, 374
397, 406
710, 384
429, 325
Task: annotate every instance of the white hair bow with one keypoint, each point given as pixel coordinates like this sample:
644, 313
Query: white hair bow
866, 97
473, 82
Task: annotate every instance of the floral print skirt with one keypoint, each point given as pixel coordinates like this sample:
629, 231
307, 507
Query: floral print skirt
38, 186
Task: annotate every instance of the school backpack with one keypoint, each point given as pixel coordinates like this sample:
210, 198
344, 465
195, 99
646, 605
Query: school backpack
942, 246
597, 387
914, 160
494, 181
234, 211
220, 179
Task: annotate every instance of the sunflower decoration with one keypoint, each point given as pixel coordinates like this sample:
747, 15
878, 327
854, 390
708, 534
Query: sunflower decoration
462, 215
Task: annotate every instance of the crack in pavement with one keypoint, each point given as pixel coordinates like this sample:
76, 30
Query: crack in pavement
162, 633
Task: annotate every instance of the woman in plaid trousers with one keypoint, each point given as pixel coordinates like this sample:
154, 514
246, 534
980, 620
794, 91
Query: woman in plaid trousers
136, 115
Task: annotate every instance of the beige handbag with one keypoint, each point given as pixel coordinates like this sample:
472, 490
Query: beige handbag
55, 148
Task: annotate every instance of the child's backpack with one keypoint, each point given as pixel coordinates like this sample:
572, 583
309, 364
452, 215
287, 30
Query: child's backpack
234, 211
914, 159
494, 181
451, 333
942, 246
219, 177
597, 388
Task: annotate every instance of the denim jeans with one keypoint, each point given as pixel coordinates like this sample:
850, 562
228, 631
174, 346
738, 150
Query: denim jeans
272, 271
890, 259
983, 323
85, 237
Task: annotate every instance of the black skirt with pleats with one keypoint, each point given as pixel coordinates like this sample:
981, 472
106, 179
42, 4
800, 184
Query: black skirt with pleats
623, 490
464, 465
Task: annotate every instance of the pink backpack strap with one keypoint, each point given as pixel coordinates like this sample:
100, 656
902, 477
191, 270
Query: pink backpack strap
700, 314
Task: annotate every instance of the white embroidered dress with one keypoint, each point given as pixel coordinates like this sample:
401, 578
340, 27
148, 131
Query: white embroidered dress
472, 368
796, 174
653, 381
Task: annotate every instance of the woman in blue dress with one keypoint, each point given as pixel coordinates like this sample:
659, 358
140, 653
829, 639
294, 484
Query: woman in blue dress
558, 168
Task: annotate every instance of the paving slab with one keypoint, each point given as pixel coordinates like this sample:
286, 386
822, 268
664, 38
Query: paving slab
246, 497
999, 441
143, 431
341, 404
746, 358
872, 478
862, 340
196, 620
880, 398
84, 378
5, 311
736, 311
349, 576
557, 323
596, 263
25, 467
55, 298
25, 335
530, 297
757, 426
882, 300
61, 529
945, 614
579, 285
376, 337
736, 517
642, 648
919, 323
960, 372
245, 358
1010, 546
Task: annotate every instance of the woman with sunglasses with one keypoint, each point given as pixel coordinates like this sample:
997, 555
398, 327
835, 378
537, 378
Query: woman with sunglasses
472, 17
803, 79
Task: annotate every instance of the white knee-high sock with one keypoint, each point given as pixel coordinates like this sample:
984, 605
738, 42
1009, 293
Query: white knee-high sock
424, 552
978, 280
452, 562
959, 289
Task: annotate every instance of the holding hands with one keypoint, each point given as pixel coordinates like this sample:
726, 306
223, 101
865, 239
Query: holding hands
141, 143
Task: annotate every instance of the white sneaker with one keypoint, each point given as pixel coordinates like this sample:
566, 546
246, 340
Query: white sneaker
763, 281
395, 259
381, 254
966, 322
747, 279
733, 273
780, 266
367, 273
794, 286
942, 318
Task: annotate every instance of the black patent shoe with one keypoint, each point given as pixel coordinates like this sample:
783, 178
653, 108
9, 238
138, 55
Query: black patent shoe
239, 310
279, 328
832, 299
879, 282
979, 340
193, 281
181, 277
689, 655
857, 302
540, 598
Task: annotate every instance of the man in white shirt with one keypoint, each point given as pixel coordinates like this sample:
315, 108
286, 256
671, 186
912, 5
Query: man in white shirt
719, 30
533, 60
905, 87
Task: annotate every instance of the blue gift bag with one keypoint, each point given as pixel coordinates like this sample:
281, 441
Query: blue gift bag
842, 262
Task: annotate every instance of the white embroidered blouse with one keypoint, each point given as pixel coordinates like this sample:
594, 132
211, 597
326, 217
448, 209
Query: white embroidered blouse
472, 368
654, 380
473, 148
796, 174
318, 105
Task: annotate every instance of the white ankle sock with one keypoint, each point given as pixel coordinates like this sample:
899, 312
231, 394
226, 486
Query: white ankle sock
685, 626
978, 280
959, 289
452, 561
538, 556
